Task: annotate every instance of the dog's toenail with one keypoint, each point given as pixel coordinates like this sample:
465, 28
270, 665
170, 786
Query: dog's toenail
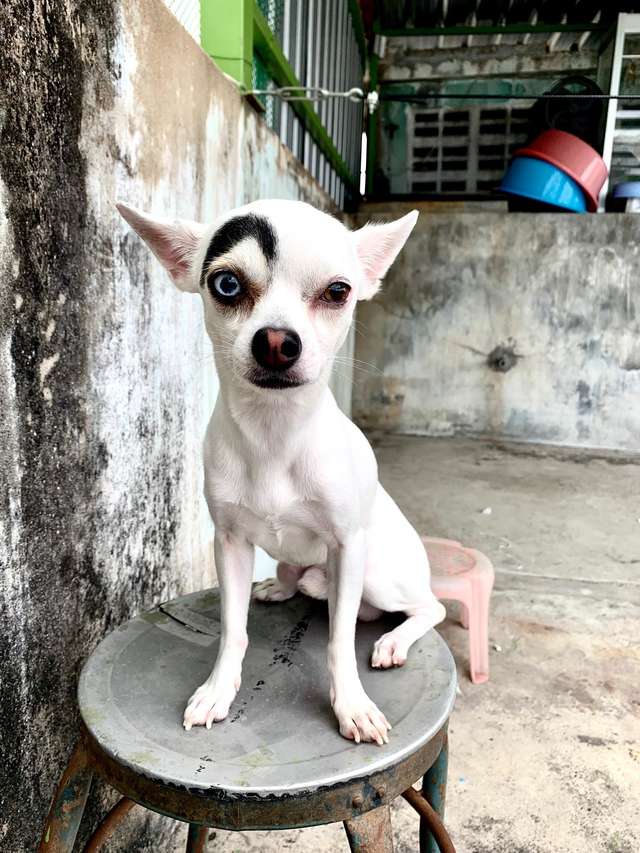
380, 792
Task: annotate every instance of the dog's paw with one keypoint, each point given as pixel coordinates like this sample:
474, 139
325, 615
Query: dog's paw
272, 590
210, 703
360, 720
388, 651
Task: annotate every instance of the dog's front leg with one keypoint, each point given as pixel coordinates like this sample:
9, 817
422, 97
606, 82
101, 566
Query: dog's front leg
358, 717
234, 565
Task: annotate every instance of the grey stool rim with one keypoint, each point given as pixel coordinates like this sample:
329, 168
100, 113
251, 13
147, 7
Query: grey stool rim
251, 779
330, 804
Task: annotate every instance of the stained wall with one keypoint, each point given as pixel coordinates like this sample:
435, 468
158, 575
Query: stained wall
516, 326
106, 376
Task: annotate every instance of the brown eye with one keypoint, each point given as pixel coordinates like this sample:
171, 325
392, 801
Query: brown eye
337, 293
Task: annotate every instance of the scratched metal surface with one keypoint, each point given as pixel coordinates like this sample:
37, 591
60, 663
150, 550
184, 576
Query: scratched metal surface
280, 735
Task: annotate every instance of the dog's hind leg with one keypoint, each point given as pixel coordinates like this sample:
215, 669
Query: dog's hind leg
282, 587
392, 648
313, 582
368, 613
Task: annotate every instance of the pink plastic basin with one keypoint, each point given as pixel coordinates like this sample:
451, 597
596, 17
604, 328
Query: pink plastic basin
576, 159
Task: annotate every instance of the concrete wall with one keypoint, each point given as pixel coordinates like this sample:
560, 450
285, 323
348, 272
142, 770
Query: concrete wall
558, 294
106, 377
420, 58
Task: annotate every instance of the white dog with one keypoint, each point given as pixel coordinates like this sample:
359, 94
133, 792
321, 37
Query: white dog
284, 468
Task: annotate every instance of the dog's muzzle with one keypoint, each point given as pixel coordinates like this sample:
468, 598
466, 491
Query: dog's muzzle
275, 352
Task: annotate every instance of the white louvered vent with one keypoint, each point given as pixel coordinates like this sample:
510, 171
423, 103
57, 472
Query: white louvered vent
463, 150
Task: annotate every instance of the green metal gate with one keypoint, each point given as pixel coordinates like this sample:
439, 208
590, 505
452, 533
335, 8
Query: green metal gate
266, 44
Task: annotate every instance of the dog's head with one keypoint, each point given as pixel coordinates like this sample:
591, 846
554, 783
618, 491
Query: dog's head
279, 281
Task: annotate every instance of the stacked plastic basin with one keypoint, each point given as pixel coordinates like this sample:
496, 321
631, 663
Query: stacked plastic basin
625, 198
557, 171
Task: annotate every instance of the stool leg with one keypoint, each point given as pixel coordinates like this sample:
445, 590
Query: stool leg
370, 832
434, 790
479, 629
68, 804
197, 840
109, 825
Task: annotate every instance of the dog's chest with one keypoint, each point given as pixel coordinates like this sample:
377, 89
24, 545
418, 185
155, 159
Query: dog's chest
284, 538
273, 512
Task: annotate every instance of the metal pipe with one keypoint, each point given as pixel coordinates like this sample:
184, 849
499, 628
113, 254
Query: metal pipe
437, 828
421, 99
109, 825
197, 839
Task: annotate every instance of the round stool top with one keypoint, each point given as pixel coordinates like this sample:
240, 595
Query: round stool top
447, 557
280, 736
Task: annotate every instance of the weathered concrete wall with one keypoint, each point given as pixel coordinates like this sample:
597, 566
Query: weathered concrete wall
557, 292
419, 58
106, 378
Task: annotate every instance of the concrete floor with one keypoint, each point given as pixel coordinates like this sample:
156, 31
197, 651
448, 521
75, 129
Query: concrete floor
546, 756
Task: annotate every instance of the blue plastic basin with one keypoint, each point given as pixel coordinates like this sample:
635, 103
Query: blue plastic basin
543, 182
628, 189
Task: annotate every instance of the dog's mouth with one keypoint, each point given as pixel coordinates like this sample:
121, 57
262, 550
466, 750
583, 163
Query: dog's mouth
274, 380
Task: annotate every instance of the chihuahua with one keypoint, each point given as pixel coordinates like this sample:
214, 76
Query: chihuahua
284, 468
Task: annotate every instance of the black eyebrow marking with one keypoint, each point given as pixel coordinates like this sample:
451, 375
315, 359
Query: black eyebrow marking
240, 228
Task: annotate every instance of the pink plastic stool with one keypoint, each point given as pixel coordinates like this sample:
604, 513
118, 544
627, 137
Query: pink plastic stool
465, 575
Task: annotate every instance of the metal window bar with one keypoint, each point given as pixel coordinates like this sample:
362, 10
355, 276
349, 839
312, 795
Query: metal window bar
308, 75
326, 64
342, 106
336, 124
320, 42
322, 79
289, 47
289, 55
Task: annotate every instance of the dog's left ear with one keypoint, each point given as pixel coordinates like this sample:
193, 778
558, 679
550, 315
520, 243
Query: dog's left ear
377, 247
174, 243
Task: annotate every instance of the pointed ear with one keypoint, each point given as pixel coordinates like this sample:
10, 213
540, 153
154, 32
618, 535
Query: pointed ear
377, 246
174, 243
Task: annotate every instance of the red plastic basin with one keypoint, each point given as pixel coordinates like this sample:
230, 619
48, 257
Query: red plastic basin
576, 159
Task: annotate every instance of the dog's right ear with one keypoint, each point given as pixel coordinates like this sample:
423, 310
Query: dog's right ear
174, 243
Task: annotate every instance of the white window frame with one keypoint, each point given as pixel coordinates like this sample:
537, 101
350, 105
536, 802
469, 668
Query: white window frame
627, 24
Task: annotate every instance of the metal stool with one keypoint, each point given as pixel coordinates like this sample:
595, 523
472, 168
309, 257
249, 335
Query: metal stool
278, 760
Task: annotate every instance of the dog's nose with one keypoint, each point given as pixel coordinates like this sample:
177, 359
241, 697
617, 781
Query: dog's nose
276, 349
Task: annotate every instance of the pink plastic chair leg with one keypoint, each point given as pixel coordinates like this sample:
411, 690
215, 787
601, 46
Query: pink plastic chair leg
479, 628
466, 576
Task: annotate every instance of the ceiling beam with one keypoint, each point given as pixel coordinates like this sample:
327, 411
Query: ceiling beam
489, 29
498, 36
472, 22
552, 42
586, 36
533, 20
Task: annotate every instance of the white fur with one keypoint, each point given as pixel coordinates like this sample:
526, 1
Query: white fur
286, 469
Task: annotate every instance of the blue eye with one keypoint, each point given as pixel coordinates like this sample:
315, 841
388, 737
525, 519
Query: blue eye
225, 286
